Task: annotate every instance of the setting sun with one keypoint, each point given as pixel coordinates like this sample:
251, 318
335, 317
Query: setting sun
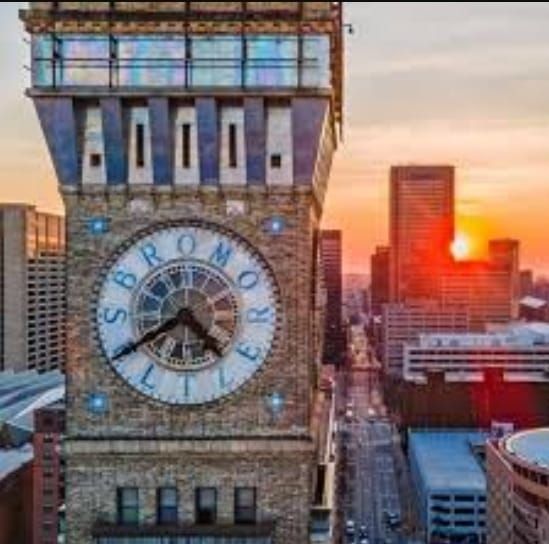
461, 248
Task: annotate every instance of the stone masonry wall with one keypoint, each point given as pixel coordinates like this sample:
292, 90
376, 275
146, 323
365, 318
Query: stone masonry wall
283, 483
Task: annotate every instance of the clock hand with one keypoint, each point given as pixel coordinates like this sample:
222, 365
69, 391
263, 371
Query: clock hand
148, 338
210, 343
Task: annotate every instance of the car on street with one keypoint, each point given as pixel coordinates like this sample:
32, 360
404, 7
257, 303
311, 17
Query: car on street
363, 532
392, 519
350, 528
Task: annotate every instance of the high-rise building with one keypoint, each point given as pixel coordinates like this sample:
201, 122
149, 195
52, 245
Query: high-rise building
404, 323
48, 474
489, 289
518, 488
331, 254
193, 142
381, 275
422, 223
527, 284
32, 289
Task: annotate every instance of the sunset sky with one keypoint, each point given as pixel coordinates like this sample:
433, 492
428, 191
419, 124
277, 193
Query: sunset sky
446, 82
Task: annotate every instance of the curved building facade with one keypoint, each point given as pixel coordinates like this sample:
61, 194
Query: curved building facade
518, 488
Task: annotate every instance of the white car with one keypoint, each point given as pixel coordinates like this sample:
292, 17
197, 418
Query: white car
350, 528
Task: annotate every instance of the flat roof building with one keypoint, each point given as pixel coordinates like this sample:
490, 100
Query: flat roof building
520, 352
451, 484
403, 323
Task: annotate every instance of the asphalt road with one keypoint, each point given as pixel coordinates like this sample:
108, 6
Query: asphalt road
371, 470
377, 475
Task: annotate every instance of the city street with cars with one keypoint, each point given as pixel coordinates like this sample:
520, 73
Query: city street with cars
378, 505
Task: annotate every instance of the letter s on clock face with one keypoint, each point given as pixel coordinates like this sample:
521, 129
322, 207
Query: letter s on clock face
187, 314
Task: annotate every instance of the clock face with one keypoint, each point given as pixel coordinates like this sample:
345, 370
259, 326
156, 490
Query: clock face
187, 314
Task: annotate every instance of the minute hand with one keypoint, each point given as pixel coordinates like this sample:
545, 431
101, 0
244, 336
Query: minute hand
151, 336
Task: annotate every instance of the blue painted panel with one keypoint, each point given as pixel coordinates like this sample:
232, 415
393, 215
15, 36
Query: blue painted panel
162, 140
256, 141
58, 122
116, 146
308, 115
208, 140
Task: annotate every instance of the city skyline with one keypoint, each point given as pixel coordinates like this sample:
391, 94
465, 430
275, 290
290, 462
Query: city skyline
459, 84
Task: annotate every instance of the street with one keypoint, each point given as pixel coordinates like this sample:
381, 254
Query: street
377, 481
371, 471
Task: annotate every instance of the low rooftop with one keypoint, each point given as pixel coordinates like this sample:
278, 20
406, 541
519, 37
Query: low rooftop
447, 461
20, 396
516, 335
14, 459
533, 303
531, 447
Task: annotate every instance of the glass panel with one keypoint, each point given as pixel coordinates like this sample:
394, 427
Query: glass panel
84, 61
42, 56
245, 506
272, 61
207, 498
217, 61
316, 62
159, 61
167, 508
81, 73
168, 497
245, 498
151, 61
83, 47
128, 506
206, 506
130, 497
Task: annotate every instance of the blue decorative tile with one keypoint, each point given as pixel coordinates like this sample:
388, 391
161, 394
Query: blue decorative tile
276, 403
98, 404
276, 226
98, 226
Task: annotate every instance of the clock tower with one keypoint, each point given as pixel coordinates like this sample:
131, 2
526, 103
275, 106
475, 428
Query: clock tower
193, 143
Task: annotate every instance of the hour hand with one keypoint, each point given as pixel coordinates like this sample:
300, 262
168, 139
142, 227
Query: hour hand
149, 337
210, 343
